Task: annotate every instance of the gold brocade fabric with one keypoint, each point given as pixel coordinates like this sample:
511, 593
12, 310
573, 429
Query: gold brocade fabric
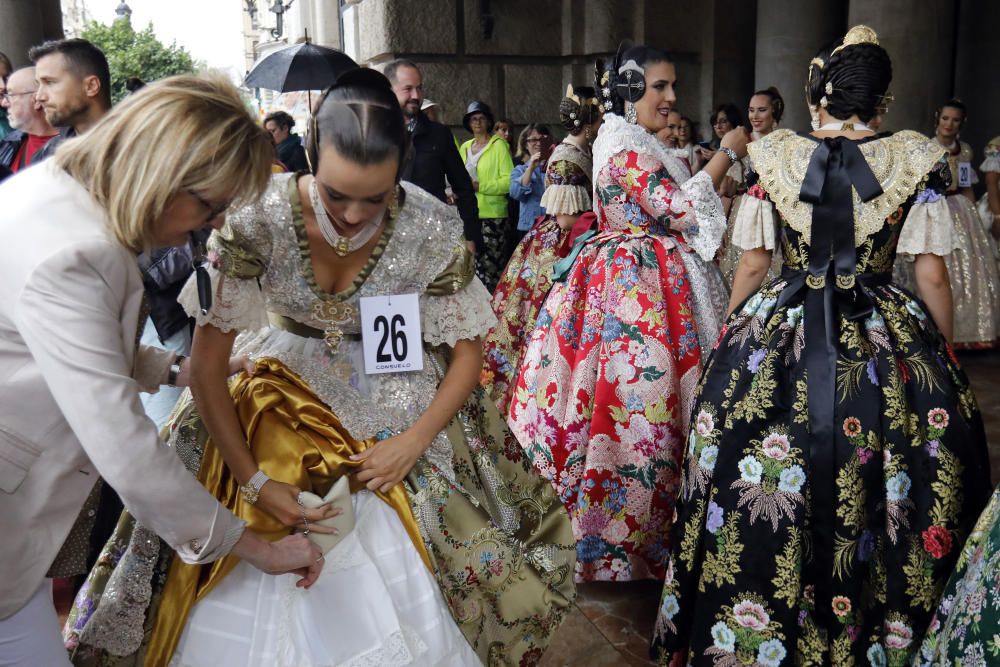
293, 437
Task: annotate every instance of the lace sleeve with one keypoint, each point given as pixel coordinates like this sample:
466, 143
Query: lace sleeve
755, 225
464, 315
991, 155
701, 200
927, 228
568, 189
237, 303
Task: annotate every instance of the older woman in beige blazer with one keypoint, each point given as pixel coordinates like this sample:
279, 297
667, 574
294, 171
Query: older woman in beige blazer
165, 162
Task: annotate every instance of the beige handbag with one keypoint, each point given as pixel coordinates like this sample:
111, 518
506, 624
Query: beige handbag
339, 495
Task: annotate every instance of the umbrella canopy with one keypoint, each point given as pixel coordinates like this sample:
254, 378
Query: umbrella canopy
300, 67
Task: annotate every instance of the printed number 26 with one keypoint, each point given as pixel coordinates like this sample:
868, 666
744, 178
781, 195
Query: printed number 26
399, 344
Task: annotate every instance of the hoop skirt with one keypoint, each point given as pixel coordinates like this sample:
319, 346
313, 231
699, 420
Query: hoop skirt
836, 457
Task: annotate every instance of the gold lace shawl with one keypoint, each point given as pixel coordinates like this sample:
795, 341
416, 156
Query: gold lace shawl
899, 162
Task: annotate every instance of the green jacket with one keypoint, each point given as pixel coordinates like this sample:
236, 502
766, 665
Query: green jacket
493, 171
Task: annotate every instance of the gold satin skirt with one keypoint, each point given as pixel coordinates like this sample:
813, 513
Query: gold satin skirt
294, 438
494, 533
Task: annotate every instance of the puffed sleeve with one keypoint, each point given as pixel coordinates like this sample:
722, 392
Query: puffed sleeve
567, 190
694, 209
927, 228
756, 224
991, 161
238, 254
456, 305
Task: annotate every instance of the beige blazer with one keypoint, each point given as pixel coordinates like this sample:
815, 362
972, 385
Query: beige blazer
69, 380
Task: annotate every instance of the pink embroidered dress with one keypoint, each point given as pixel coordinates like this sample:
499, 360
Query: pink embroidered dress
602, 397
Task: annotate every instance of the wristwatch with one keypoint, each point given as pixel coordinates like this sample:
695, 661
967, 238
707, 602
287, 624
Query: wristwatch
251, 490
175, 370
730, 153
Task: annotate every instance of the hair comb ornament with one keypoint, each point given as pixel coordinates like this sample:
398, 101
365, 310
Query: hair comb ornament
631, 83
859, 34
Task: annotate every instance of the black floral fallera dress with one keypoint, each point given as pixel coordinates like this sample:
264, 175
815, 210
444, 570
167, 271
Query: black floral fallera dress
822, 510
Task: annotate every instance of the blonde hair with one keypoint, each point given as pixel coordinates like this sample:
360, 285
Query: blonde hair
182, 133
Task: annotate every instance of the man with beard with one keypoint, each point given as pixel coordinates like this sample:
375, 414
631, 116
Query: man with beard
30, 129
434, 156
74, 86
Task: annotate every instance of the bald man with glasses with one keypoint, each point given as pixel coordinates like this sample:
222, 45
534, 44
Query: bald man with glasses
30, 131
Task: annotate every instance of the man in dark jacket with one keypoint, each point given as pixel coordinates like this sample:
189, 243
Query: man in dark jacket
290, 150
434, 156
74, 87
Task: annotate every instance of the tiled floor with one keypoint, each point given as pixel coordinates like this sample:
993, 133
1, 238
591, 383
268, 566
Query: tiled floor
612, 623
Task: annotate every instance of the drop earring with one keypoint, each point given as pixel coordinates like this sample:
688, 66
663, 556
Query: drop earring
631, 115
814, 116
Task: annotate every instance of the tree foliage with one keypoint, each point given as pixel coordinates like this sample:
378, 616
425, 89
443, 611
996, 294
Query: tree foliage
136, 54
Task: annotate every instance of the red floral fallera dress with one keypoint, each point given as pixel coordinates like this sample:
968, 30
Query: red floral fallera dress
527, 279
601, 399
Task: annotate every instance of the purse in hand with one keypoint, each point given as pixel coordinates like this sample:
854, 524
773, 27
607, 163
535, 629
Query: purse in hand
339, 495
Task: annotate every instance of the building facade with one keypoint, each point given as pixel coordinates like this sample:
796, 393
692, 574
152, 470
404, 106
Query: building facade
518, 55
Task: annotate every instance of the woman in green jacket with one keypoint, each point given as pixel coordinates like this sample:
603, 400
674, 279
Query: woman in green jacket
487, 158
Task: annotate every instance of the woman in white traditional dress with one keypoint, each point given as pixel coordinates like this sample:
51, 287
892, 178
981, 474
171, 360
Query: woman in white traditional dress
459, 555
972, 267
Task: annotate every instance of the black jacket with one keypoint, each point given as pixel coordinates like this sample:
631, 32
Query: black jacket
164, 272
434, 156
9, 146
292, 154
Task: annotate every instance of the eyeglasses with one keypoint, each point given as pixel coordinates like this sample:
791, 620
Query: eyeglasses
213, 211
5, 97
537, 140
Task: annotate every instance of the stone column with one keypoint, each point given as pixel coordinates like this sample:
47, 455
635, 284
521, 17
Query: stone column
732, 54
922, 47
788, 35
25, 24
977, 62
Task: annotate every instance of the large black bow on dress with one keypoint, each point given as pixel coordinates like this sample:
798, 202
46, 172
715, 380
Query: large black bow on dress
835, 290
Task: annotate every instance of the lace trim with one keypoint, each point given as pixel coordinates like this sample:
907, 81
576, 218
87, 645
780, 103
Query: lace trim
237, 305
616, 136
465, 315
755, 225
991, 163
928, 230
899, 162
566, 199
702, 201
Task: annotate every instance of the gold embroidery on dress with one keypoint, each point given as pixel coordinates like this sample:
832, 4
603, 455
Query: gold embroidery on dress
899, 162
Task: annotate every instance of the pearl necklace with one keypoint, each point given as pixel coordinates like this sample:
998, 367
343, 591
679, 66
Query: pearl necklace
840, 125
342, 245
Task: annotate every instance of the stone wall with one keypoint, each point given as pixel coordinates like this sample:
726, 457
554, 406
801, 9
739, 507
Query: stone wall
25, 24
518, 55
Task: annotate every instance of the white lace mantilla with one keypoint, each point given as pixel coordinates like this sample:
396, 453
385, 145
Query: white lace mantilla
617, 135
899, 162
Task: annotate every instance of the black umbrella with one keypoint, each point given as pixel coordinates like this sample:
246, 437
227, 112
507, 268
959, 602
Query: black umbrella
303, 66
